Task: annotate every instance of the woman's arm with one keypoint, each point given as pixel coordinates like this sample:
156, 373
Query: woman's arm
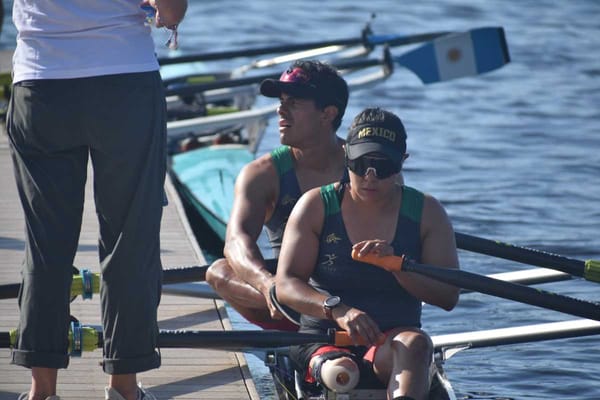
298, 255
438, 247
297, 259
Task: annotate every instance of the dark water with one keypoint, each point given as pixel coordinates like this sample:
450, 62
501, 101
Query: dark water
513, 155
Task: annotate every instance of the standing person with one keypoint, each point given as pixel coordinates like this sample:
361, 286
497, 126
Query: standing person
313, 100
86, 84
370, 213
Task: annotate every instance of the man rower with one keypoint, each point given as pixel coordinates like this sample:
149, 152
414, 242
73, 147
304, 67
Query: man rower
313, 98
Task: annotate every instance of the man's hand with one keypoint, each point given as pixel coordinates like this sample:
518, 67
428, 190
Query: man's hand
169, 13
275, 313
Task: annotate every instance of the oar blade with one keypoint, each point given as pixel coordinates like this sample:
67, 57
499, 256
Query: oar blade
458, 55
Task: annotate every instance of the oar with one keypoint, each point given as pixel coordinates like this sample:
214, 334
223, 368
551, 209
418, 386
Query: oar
589, 269
178, 280
367, 39
518, 334
86, 283
487, 285
178, 88
243, 340
90, 338
453, 56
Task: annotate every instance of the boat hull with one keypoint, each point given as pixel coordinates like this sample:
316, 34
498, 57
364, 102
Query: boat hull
206, 178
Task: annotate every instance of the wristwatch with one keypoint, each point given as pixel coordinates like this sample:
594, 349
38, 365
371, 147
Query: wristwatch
329, 304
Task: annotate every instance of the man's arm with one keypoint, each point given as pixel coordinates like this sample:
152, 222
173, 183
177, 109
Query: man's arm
254, 198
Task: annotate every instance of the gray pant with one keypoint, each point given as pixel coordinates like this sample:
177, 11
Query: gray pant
119, 121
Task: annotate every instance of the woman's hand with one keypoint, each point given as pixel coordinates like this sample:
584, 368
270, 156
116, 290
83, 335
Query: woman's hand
361, 328
378, 247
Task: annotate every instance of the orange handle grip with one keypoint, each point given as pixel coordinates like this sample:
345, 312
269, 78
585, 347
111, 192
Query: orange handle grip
389, 263
342, 338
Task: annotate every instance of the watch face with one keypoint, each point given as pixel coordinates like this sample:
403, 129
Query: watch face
332, 301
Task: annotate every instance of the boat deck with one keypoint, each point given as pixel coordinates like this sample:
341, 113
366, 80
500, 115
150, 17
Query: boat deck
185, 373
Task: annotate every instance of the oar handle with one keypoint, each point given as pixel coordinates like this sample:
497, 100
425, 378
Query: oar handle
589, 269
389, 263
342, 338
487, 285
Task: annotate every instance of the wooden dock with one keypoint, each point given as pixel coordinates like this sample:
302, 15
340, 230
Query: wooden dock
185, 373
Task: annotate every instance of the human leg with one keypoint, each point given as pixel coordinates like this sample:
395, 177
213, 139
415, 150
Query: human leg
50, 163
334, 367
403, 361
336, 371
129, 159
245, 299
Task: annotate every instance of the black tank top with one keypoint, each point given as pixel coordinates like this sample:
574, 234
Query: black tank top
363, 286
289, 193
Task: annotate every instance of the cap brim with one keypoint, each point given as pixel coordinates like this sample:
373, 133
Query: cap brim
357, 150
274, 88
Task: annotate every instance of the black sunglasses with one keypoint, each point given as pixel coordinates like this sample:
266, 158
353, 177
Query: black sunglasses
383, 167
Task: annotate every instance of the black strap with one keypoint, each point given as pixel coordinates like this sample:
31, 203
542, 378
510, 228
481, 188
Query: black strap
287, 312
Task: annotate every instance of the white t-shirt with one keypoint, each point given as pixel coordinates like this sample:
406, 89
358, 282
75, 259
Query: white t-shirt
60, 39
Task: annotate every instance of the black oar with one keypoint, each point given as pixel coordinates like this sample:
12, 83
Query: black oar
91, 338
487, 285
197, 273
366, 39
589, 269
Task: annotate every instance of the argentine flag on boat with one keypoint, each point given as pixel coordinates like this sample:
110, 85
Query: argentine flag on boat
457, 55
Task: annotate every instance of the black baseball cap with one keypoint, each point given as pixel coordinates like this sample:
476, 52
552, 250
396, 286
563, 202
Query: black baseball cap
375, 130
312, 80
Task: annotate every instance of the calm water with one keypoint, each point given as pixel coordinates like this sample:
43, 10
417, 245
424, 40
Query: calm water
514, 155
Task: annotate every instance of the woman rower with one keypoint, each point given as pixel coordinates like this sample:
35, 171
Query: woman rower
371, 212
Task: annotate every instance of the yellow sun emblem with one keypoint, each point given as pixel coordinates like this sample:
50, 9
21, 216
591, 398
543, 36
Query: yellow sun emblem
332, 238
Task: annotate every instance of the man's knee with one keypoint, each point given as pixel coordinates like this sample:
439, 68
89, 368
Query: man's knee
218, 272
